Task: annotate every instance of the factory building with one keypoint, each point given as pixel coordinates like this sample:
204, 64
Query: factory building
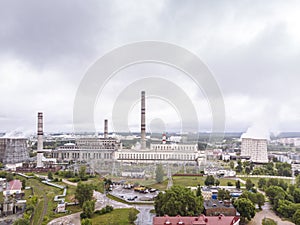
87, 149
255, 149
13, 150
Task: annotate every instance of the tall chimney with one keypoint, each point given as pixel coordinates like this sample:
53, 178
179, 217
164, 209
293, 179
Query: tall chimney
40, 132
143, 121
40, 140
105, 129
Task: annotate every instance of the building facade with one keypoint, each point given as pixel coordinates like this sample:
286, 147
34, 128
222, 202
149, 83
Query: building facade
255, 149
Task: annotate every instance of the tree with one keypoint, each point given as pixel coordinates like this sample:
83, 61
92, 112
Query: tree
261, 183
88, 208
82, 172
210, 180
223, 194
296, 195
9, 177
249, 184
239, 167
84, 192
238, 184
248, 170
296, 217
86, 222
178, 201
260, 199
50, 175
217, 182
23, 184
231, 164
132, 216
199, 192
245, 207
21, 221
159, 173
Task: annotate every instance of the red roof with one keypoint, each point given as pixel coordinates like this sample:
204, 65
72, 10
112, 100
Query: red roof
14, 185
200, 220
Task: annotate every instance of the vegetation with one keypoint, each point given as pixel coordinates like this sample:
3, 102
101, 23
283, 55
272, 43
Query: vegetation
178, 201
132, 216
268, 221
210, 180
84, 192
88, 209
21, 221
245, 207
116, 217
86, 221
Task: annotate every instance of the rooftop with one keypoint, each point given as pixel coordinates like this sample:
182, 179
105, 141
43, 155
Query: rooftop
200, 220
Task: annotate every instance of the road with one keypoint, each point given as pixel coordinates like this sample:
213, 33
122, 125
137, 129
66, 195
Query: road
266, 212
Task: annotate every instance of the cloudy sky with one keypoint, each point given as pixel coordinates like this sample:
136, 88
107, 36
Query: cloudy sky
251, 47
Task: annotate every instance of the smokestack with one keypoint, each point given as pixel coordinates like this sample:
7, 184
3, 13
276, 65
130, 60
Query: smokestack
40, 131
143, 121
164, 139
40, 140
105, 129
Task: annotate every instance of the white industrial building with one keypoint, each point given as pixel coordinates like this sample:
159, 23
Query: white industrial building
255, 149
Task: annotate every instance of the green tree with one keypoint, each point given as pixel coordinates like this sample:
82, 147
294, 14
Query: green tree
23, 184
210, 180
296, 195
88, 208
260, 199
245, 207
261, 183
231, 164
249, 184
238, 184
248, 170
84, 192
9, 177
132, 216
159, 173
178, 201
239, 167
296, 217
86, 221
82, 172
21, 221
217, 182
50, 175
223, 194
199, 192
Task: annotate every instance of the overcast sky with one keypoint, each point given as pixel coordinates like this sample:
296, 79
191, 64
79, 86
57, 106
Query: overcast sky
251, 47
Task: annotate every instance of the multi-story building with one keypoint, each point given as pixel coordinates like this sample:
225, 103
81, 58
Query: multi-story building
255, 149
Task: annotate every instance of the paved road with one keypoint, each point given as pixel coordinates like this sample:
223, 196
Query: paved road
144, 217
267, 213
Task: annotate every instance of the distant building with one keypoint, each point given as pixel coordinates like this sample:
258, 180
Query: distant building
200, 220
13, 150
13, 187
255, 149
215, 207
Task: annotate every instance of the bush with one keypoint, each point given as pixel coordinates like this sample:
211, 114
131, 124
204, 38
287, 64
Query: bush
83, 215
74, 179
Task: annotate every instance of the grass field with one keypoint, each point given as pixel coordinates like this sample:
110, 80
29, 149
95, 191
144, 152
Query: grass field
256, 179
46, 205
116, 217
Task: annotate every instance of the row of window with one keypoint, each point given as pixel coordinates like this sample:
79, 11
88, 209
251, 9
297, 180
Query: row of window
157, 156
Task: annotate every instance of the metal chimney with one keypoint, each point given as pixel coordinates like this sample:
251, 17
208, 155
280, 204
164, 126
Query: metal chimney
143, 121
105, 129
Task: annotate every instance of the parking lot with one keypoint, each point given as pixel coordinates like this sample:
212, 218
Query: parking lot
133, 196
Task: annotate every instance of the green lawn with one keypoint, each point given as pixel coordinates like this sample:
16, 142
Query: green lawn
116, 217
256, 179
46, 194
